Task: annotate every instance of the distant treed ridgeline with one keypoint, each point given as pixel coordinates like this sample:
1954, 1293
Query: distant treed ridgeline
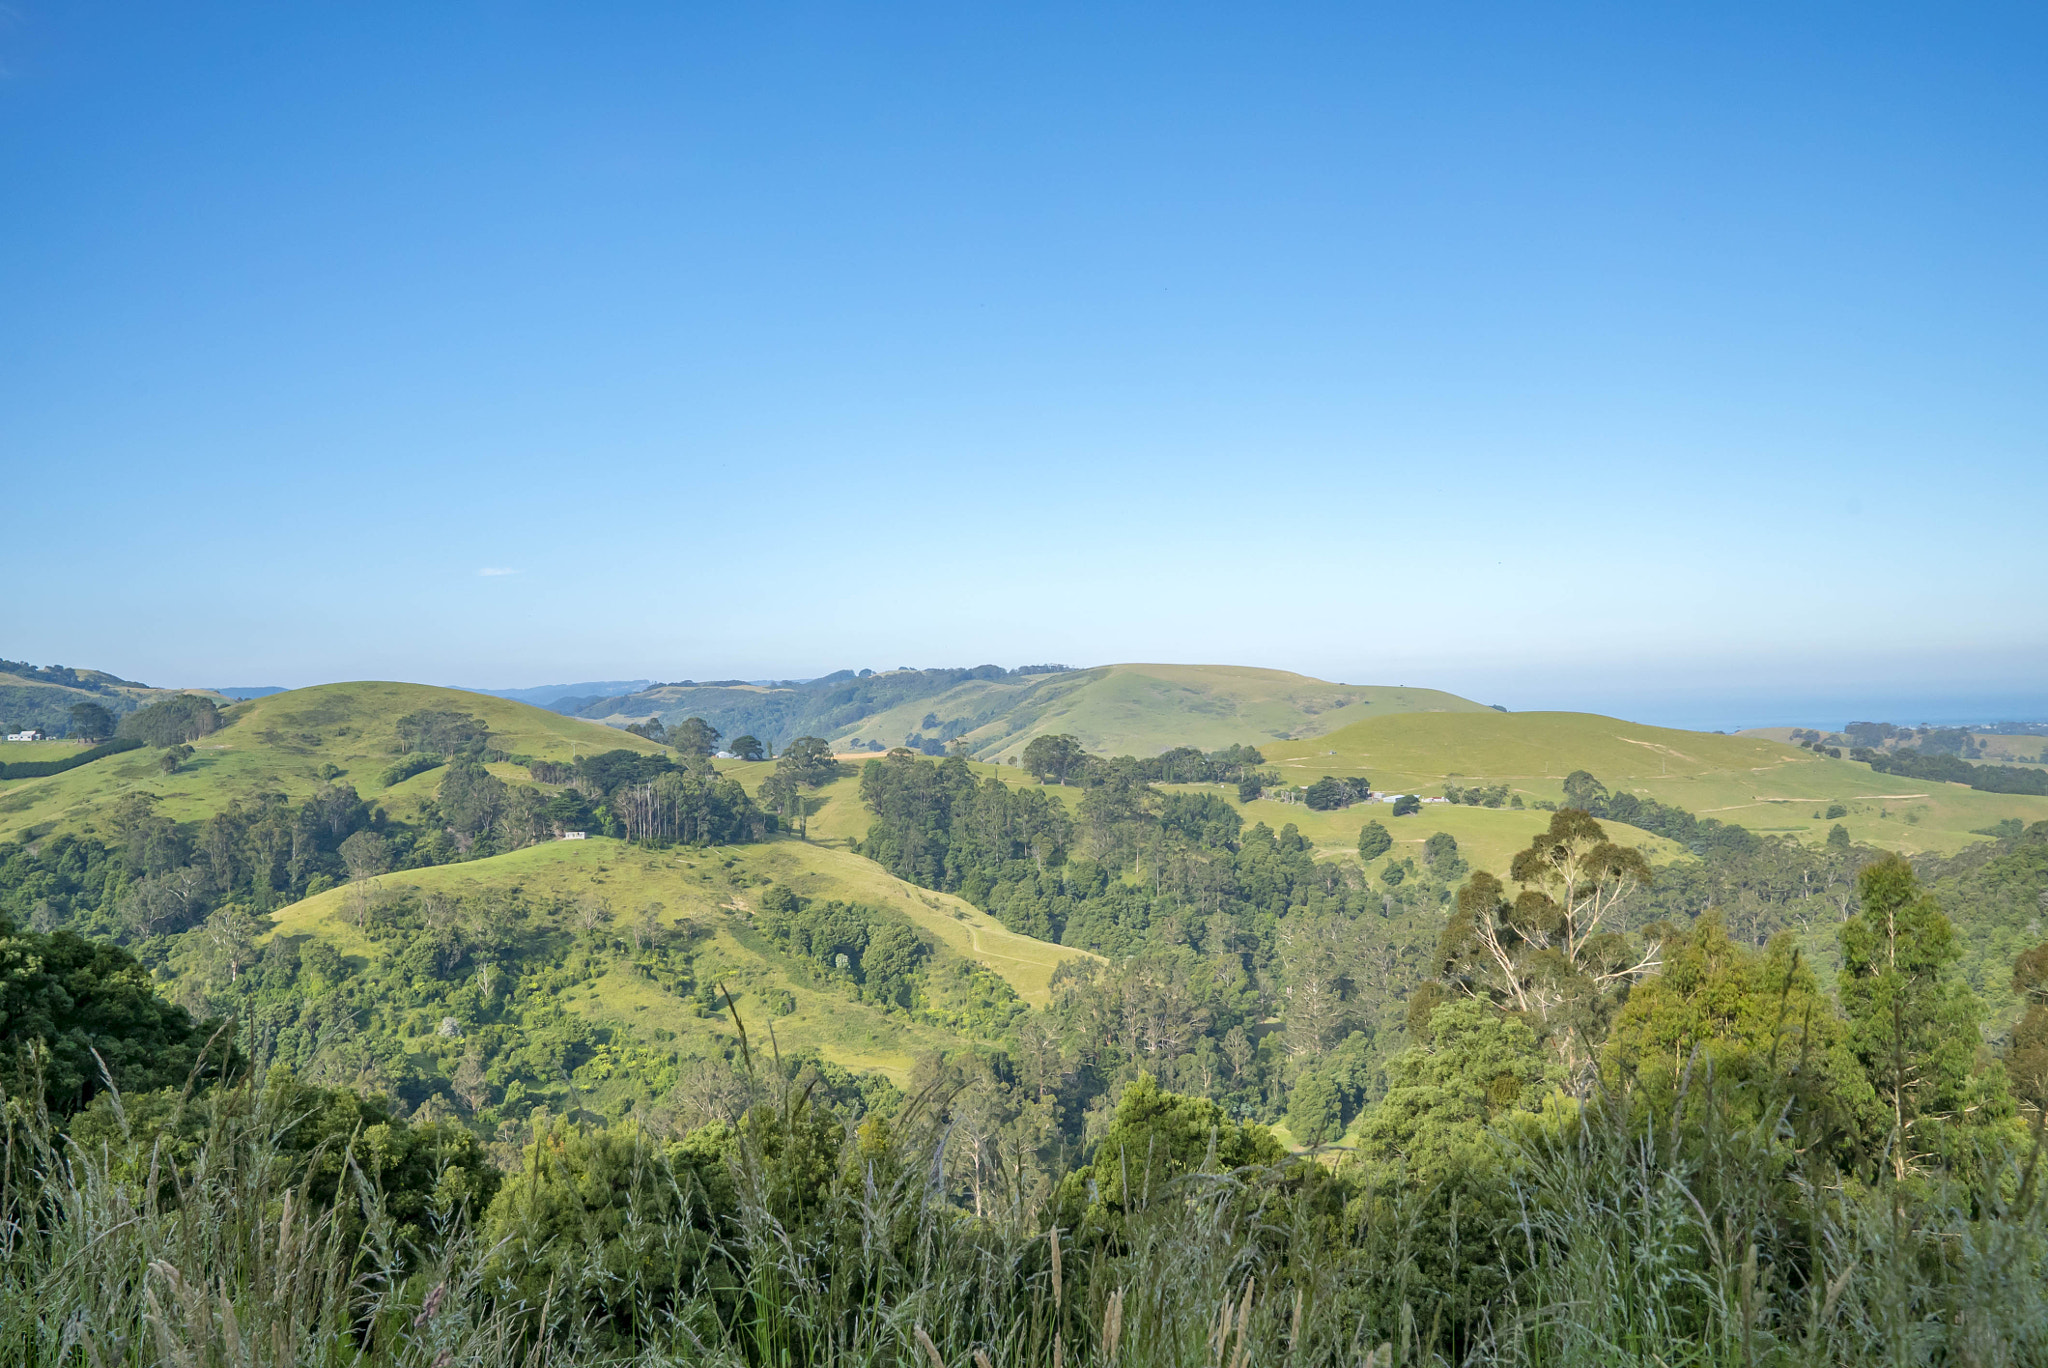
1941, 754
1948, 769
822, 706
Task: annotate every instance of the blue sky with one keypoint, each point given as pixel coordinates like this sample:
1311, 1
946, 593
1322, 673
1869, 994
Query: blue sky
1631, 357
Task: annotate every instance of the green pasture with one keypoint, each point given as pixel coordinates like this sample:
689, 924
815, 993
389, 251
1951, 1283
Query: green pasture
716, 891
281, 744
1487, 837
1142, 709
1138, 709
15, 752
1763, 784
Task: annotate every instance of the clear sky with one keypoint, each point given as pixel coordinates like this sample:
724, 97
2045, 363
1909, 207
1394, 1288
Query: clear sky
1641, 357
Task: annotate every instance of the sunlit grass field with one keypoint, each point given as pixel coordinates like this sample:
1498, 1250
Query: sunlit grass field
280, 744
717, 892
1765, 785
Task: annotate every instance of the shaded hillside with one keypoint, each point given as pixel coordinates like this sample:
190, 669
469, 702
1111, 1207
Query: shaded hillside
1111, 709
41, 697
568, 698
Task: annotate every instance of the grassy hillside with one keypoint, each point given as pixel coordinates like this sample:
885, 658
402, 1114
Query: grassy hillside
282, 744
1113, 709
715, 892
1145, 709
1753, 781
1487, 837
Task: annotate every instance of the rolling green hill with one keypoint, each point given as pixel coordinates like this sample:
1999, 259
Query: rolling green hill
1145, 709
1765, 785
713, 894
294, 743
1487, 837
284, 742
1112, 709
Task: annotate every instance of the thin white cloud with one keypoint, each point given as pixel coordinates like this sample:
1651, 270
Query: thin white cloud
496, 570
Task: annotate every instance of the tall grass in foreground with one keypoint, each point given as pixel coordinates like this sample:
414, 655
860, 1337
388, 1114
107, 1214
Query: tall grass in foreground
1626, 1243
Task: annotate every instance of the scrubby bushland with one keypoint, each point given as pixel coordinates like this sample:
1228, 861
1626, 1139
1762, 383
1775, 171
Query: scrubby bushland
263, 1221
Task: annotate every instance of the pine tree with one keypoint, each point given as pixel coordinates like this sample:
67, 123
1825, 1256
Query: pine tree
1913, 1030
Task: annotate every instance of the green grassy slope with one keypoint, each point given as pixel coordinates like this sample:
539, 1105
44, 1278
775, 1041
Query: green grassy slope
1753, 781
1113, 709
1487, 837
13, 752
279, 745
840, 821
715, 890
1144, 709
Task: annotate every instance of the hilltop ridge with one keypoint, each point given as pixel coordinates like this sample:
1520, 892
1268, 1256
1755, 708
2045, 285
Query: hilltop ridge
1135, 708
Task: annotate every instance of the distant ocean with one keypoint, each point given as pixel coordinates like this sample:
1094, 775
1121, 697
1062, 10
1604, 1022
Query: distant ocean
1737, 712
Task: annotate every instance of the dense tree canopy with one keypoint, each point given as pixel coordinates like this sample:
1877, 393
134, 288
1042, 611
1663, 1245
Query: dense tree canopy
1911, 1025
175, 721
81, 1013
91, 722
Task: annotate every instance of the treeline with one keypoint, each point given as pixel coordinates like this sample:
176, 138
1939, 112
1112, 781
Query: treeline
1209, 929
1099, 878
1056, 758
175, 721
1952, 769
93, 681
877, 957
1701, 835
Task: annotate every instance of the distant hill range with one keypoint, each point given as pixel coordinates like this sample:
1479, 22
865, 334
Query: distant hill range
1112, 709
568, 698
